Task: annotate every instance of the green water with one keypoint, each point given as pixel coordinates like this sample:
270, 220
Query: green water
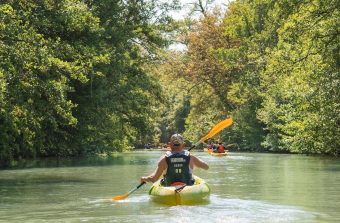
245, 187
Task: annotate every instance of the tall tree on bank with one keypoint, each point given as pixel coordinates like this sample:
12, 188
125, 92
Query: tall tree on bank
280, 80
215, 69
292, 48
301, 108
72, 80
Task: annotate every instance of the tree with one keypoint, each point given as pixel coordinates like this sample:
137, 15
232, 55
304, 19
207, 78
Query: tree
73, 78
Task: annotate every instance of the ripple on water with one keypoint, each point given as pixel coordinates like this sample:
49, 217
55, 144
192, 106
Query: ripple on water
240, 158
133, 199
217, 210
238, 210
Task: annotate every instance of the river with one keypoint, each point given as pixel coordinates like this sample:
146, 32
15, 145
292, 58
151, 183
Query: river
246, 187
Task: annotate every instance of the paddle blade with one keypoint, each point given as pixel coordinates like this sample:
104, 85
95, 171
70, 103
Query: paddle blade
121, 197
217, 128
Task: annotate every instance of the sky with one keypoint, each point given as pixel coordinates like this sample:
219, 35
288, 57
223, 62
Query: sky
187, 5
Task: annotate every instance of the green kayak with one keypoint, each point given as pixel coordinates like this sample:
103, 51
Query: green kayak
180, 194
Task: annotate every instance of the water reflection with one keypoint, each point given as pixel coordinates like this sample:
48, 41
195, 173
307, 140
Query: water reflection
245, 188
135, 158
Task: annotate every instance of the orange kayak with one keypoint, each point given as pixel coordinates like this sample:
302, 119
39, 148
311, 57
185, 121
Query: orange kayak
210, 151
218, 154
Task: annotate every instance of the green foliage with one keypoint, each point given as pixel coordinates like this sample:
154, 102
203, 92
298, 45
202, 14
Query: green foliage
72, 77
82, 77
277, 63
304, 101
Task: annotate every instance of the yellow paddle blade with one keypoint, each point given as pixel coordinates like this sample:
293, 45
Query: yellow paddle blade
217, 128
121, 197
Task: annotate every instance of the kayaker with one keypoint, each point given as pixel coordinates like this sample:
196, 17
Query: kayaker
215, 147
178, 164
220, 148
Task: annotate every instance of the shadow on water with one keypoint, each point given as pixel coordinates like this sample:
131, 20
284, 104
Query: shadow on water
114, 159
8, 181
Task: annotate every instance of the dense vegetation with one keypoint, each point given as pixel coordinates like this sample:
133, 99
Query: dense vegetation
83, 77
72, 80
271, 64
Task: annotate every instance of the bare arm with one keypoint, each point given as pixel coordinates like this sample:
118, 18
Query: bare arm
162, 165
198, 162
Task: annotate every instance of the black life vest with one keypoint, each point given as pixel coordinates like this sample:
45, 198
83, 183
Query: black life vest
178, 168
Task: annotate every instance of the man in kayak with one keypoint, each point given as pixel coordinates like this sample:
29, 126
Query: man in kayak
220, 148
178, 164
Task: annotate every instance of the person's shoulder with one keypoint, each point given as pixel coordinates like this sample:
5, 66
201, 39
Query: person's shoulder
162, 159
187, 152
193, 156
168, 153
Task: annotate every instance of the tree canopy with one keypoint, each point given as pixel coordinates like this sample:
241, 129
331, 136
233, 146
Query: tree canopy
85, 77
274, 67
72, 75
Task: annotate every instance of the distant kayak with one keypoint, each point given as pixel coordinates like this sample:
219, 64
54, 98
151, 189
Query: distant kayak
207, 150
180, 194
218, 154
210, 151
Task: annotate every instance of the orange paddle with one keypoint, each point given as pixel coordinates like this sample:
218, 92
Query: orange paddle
216, 129
121, 197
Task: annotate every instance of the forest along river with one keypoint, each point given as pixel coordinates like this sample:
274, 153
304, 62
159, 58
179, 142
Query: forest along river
246, 187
